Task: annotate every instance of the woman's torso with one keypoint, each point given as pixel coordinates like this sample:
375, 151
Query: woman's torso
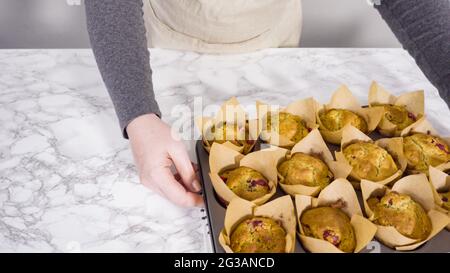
223, 26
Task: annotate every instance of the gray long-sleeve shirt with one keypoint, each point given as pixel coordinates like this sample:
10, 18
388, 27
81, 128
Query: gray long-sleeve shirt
118, 38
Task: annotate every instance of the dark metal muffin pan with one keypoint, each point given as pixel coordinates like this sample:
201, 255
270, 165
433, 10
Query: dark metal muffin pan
216, 213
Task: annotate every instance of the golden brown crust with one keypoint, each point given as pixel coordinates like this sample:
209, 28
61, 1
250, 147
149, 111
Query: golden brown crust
422, 151
246, 182
290, 126
403, 213
369, 161
329, 224
306, 170
336, 119
236, 134
258, 235
398, 115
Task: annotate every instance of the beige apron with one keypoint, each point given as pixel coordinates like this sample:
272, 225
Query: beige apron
222, 26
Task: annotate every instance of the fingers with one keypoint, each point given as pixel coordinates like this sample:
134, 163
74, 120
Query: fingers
174, 191
185, 168
178, 176
195, 166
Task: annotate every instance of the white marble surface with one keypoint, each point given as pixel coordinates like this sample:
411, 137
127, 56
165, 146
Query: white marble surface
67, 181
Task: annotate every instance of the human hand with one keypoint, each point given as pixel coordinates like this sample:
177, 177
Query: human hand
155, 151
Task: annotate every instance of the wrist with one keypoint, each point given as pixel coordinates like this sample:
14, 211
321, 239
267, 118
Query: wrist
141, 125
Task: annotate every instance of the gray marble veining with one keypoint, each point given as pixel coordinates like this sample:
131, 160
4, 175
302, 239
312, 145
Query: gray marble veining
67, 180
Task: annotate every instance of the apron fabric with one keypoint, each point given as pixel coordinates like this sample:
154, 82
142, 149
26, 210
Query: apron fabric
222, 26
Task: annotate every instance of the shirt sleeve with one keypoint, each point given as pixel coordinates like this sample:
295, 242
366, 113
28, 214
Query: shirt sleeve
423, 28
118, 39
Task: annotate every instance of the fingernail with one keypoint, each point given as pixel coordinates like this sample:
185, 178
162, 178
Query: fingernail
196, 186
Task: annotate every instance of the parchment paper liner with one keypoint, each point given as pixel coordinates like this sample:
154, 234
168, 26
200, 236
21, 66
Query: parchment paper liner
394, 146
344, 99
440, 181
414, 102
419, 189
313, 144
280, 209
264, 161
306, 109
338, 190
230, 112
424, 126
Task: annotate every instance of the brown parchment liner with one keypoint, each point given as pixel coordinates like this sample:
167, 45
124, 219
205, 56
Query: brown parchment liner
343, 99
339, 190
305, 109
313, 144
394, 146
223, 158
204, 124
414, 102
419, 189
424, 126
440, 182
280, 209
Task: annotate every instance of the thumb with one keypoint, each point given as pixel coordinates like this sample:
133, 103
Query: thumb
176, 192
185, 167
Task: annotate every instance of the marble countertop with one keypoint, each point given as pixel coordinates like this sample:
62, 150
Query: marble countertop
67, 180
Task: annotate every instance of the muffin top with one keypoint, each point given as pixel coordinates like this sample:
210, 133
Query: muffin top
422, 151
258, 235
398, 115
288, 125
445, 197
403, 213
336, 119
237, 134
369, 161
305, 170
246, 183
329, 224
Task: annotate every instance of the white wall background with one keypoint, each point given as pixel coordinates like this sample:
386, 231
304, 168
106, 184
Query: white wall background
344, 23
56, 24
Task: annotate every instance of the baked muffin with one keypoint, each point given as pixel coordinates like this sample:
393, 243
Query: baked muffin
329, 224
288, 125
238, 135
336, 119
369, 161
445, 197
398, 115
400, 211
246, 183
258, 235
305, 170
422, 151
